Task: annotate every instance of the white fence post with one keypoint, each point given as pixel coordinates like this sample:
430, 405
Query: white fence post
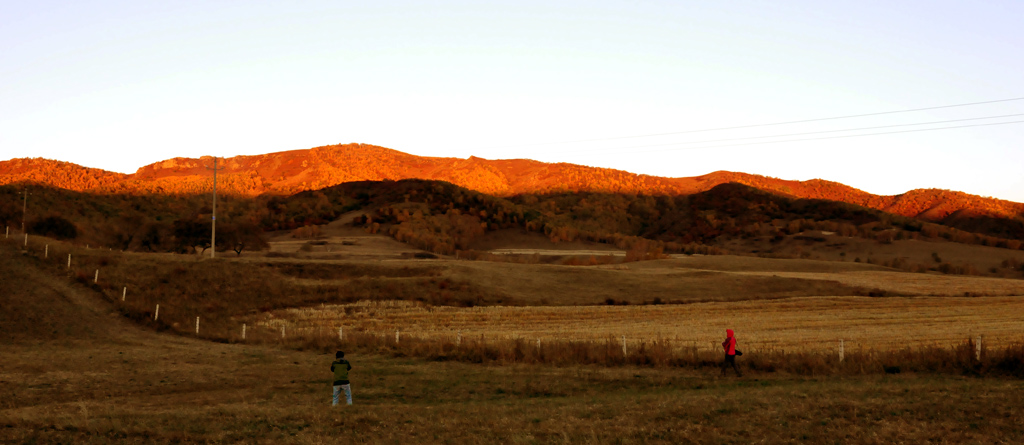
197, 325
243, 331
69, 261
156, 316
282, 332
624, 346
97, 277
124, 293
46, 251
26, 239
341, 333
841, 351
458, 338
397, 333
977, 349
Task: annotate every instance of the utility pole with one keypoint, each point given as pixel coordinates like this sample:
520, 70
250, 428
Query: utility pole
24, 208
213, 226
213, 231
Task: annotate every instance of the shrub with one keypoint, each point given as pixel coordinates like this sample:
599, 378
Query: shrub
55, 227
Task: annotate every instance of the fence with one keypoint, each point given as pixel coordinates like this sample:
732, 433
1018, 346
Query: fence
966, 357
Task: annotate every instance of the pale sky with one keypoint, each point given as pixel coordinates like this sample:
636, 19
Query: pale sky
119, 85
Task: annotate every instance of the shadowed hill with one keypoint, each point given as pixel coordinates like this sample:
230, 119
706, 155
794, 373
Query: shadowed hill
444, 218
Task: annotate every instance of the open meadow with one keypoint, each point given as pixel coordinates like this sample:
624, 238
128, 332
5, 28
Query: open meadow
808, 324
87, 358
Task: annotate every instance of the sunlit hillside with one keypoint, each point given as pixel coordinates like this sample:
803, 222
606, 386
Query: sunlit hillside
289, 172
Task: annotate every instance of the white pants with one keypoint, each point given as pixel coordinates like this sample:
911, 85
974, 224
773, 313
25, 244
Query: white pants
337, 392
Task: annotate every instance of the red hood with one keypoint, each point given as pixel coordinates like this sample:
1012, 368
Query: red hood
728, 333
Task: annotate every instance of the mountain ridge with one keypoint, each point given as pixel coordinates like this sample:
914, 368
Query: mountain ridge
293, 171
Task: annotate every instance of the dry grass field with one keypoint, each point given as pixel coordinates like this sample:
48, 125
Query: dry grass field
915, 284
820, 245
144, 388
78, 365
811, 324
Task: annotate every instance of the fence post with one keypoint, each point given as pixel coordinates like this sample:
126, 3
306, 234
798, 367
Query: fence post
156, 316
243, 331
341, 333
282, 332
841, 351
624, 346
26, 239
397, 332
97, 277
977, 349
538, 345
197, 325
124, 293
69, 261
46, 251
458, 338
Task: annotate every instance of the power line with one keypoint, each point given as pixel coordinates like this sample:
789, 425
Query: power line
836, 137
768, 124
803, 134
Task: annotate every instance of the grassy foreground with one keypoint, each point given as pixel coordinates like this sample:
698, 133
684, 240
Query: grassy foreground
74, 369
186, 391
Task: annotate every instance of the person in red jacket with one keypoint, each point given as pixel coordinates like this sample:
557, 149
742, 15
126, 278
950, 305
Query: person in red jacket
730, 353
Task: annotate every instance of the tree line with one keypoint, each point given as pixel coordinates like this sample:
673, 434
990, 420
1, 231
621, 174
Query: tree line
444, 218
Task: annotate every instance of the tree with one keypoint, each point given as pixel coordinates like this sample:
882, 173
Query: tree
189, 233
239, 237
153, 236
124, 231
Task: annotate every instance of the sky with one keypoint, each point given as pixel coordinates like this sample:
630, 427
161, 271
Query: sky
649, 87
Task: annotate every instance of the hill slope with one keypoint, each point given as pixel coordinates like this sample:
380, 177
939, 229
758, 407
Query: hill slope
294, 171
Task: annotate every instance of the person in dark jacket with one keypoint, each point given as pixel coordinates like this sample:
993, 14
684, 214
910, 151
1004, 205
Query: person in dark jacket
730, 353
341, 367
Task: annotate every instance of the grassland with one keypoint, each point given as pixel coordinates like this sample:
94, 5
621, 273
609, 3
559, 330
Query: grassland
907, 254
809, 324
81, 366
143, 389
184, 391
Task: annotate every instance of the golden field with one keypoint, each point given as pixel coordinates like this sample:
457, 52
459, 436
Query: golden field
810, 324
